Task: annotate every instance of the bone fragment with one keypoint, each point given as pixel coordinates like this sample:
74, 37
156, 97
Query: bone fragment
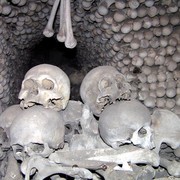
98, 157
46, 168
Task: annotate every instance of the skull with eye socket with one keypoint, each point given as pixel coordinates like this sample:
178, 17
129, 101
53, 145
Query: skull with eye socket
125, 122
103, 85
36, 131
47, 85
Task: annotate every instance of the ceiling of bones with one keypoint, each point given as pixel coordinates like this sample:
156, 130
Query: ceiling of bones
89, 54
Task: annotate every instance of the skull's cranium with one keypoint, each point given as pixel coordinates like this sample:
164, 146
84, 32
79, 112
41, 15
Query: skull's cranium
125, 122
47, 85
166, 126
103, 85
36, 130
7, 117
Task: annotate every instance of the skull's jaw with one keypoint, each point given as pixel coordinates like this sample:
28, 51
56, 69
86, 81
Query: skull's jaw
100, 104
25, 105
108, 99
55, 104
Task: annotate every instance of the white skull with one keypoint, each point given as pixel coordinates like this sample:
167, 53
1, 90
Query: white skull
101, 86
36, 130
125, 122
47, 85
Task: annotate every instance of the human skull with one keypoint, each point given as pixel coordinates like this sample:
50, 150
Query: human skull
36, 130
8, 116
125, 122
101, 86
47, 85
71, 116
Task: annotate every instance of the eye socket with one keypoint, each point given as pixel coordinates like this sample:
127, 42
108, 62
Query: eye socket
18, 149
29, 84
104, 83
47, 84
36, 148
68, 129
142, 132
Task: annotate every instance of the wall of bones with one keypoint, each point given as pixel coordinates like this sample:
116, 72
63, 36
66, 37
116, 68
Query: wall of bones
115, 103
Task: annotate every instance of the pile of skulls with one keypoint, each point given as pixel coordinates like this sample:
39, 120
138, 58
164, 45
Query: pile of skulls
108, 135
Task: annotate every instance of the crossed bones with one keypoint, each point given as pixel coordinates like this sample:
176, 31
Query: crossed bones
65, 33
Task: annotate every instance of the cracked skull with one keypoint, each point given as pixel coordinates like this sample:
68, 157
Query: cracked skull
47, 85
36, 130
101, 86
125, 122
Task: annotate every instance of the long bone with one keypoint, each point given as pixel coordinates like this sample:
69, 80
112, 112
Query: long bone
48, 168
61, 36
48, 31
79, 162
65, 33
98, 157
70, 41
